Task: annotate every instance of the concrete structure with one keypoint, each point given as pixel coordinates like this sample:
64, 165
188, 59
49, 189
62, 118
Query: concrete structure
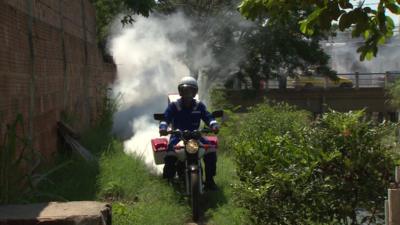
373, 100
54, 213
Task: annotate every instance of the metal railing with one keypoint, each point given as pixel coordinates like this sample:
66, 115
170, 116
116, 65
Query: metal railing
358, 80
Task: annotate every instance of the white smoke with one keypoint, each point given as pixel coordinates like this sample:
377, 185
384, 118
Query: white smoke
149, 65
345, 58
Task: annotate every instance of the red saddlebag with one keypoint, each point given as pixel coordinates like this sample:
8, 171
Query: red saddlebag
159, 146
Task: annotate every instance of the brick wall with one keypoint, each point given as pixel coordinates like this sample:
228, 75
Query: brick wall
49, 64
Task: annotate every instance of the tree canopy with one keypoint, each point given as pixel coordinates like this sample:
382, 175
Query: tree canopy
258, 50
277, 48
106, 10
371, 24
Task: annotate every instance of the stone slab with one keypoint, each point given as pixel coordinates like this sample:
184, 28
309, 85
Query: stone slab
57, 213
394, 206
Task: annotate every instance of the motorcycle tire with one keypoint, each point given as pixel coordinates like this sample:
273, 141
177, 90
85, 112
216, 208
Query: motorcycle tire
195, 195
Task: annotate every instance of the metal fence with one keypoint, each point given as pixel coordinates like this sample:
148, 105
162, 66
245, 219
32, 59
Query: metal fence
358, 80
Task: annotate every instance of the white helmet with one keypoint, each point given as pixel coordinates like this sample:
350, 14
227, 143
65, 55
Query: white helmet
188, 87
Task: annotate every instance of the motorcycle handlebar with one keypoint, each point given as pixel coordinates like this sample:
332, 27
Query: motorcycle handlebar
179, 132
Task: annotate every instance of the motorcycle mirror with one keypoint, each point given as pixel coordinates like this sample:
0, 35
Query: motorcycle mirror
158, 116
218, 113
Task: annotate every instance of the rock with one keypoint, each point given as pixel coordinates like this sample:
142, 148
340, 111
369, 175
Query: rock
57, 213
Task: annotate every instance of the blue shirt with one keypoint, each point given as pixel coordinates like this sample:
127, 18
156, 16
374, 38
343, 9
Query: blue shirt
186, 118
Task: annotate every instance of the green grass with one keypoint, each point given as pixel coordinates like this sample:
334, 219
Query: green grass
76, 180
220, 207
137, 196
142, 198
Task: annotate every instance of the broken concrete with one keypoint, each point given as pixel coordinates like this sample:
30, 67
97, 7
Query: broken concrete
57, 213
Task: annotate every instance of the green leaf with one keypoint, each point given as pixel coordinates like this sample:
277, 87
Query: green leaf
368, 10
345, 4
389, 23
314, 15
381, 40
305, 28
251, 9
393, 8
345, 21
363, 51
366, 34
369, 55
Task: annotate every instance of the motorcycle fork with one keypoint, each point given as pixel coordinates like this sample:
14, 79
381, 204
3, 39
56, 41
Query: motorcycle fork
187, 176
199, 171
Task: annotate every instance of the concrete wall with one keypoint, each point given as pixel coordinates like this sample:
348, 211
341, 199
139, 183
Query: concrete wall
319, 100
49, 64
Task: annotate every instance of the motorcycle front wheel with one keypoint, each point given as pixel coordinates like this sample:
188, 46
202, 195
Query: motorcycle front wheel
195, 194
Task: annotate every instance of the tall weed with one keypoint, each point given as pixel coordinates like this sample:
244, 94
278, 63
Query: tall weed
19, 162
82, 176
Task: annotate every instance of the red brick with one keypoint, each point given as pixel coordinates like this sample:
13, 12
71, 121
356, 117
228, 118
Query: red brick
51, 83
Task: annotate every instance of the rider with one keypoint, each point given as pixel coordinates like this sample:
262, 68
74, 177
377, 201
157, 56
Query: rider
185, 114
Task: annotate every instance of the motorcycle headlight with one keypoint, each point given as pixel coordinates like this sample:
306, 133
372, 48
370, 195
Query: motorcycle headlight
192, 146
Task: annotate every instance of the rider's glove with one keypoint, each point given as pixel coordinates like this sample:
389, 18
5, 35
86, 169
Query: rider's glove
163, 132
215, 128
163, 128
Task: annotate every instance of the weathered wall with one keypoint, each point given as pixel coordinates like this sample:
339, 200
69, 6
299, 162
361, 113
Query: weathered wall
319, 100
49, 64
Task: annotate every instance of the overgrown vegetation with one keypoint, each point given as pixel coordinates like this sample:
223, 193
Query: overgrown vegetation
324, 173
136, 195
25, 178
220, 205
19, 163
123, 180
82, 184
274, 168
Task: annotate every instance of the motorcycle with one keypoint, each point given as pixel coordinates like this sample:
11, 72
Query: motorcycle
189, 154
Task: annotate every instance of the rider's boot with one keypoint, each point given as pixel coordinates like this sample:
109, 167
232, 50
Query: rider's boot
210, 161
180, 169
210, 184
169, 168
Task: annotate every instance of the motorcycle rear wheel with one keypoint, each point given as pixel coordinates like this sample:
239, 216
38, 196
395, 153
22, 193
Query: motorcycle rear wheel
195, 195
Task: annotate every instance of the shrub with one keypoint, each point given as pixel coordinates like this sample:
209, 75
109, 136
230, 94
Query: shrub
323, 173
354, 164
